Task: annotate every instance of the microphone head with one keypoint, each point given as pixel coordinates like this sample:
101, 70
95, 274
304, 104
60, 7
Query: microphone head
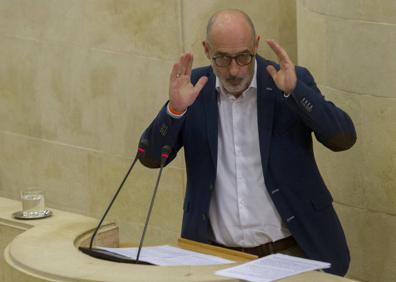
143, 144
165, 151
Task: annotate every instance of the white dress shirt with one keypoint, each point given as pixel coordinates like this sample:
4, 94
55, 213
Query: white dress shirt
241, 211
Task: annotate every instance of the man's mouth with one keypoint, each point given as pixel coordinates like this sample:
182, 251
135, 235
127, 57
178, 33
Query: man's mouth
234, 81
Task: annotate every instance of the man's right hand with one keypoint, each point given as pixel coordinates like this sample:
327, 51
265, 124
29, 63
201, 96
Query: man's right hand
182, 93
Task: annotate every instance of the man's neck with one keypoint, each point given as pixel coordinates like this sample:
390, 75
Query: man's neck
236, 95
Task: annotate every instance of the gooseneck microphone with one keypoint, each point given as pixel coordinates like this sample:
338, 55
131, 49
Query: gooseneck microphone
165, 151
103, 254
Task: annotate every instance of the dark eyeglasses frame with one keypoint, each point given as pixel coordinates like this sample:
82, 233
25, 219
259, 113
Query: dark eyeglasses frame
214, 59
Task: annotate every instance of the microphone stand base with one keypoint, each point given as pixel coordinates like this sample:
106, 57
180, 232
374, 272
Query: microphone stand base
106, 255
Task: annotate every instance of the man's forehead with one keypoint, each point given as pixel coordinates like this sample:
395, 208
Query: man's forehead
231, 45
231, 36
231, 29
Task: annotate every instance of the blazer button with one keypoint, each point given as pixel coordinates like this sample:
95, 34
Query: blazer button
211, 187
203, 217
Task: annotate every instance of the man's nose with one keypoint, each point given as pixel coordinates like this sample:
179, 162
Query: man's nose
233, 68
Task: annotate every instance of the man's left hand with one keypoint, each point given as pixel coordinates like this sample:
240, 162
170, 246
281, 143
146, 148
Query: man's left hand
285, 78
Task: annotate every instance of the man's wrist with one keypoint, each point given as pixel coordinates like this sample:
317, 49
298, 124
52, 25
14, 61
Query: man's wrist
175, 113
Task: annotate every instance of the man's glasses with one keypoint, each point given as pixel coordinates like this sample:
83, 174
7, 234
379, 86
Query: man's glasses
242, 59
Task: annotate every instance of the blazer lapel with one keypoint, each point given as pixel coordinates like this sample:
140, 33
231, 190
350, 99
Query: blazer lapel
266, 90
212, 116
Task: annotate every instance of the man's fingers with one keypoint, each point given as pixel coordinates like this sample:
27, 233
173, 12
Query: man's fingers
200, 84
183, 66
279, 51
272, 71
189, 63
175, 71
186, 64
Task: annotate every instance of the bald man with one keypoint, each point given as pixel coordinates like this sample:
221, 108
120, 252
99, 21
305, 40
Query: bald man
246, 126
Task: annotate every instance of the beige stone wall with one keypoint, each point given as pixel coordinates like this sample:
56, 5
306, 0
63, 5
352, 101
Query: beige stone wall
80, 80
350, 48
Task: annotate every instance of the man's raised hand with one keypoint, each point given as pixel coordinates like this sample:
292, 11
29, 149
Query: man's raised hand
285, 78
182, 93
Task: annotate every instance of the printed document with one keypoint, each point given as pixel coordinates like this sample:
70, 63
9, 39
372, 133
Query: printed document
272, 267
168, 255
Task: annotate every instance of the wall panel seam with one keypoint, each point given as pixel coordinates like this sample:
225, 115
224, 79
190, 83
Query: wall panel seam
348, 19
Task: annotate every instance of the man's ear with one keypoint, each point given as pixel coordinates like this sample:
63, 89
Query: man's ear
205, 45
256, 43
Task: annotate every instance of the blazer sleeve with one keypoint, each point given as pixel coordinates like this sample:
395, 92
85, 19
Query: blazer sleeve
167, 130
331, 125
163, 130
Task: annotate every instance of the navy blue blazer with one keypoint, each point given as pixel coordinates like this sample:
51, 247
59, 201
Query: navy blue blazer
291, 175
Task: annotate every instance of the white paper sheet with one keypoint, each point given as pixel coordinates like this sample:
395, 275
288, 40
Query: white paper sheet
168, 255
272, 267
